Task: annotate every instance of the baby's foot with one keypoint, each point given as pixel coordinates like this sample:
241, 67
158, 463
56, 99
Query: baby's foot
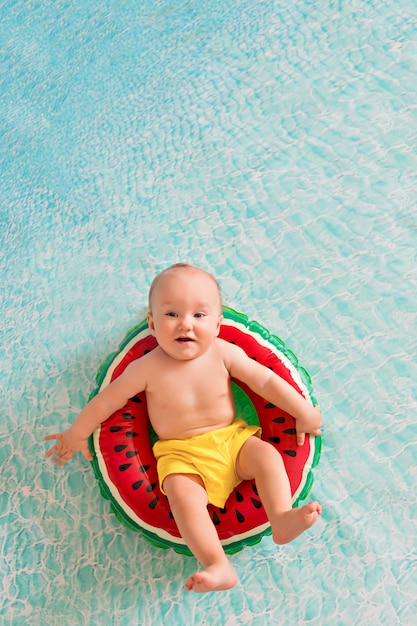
287, 526
217, 577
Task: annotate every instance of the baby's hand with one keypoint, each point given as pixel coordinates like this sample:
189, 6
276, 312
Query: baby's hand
66, 447
309, 423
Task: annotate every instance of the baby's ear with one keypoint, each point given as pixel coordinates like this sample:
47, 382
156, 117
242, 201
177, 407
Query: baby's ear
151, 324
219, 323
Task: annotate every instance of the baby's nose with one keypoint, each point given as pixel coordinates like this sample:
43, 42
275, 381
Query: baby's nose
186, 322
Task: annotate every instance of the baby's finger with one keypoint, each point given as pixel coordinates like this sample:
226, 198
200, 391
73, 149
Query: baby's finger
300, 439
64, 460
88, 455
52, 451
61, 457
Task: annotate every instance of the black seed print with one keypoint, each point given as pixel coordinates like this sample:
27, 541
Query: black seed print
290, 431
279, 420
115, 429
124, 467
290, 453
120, 448
275, 439
170, 515
128, 416
144, 468
256, 503
151, 487
136, 399
137, 484
239, 496
131, 453
215, 518
269, 405
223, 511
253, 358
146, 351
153, 504
254, 489
240, 518
131, 433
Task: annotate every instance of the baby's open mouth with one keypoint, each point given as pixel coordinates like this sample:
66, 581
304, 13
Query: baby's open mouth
184, 339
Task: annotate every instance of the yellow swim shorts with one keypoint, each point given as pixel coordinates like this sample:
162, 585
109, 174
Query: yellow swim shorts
212, 456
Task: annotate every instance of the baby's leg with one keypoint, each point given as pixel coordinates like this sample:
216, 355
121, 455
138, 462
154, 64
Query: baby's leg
259, 460
188, 501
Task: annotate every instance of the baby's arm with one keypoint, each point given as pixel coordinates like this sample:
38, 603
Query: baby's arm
275, 389
104, 404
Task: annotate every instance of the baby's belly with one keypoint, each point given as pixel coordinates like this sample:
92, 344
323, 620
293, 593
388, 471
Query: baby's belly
174, 426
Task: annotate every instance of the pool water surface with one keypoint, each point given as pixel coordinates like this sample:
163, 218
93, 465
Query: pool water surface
273, 144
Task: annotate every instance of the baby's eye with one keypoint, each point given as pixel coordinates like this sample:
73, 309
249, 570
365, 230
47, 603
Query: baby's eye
199, 315
171, 314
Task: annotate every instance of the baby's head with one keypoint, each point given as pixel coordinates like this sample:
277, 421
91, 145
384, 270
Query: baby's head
187, 274
185, 311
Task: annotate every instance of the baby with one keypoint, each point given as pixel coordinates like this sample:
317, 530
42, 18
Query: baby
203, 452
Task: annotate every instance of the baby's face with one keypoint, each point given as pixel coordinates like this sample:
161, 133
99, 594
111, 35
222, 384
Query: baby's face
185, 313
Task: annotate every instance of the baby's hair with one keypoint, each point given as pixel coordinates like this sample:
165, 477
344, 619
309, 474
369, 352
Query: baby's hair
175, 267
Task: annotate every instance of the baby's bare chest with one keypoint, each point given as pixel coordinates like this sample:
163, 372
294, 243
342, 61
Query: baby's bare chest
189, 385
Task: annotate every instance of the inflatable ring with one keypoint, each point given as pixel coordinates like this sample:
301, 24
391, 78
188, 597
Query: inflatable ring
122, 445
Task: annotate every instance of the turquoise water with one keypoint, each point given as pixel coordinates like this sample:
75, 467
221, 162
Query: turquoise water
274, 144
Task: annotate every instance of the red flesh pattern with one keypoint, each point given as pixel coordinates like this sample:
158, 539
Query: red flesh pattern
147, 501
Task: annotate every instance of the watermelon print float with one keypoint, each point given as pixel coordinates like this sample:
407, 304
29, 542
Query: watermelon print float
122, 445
